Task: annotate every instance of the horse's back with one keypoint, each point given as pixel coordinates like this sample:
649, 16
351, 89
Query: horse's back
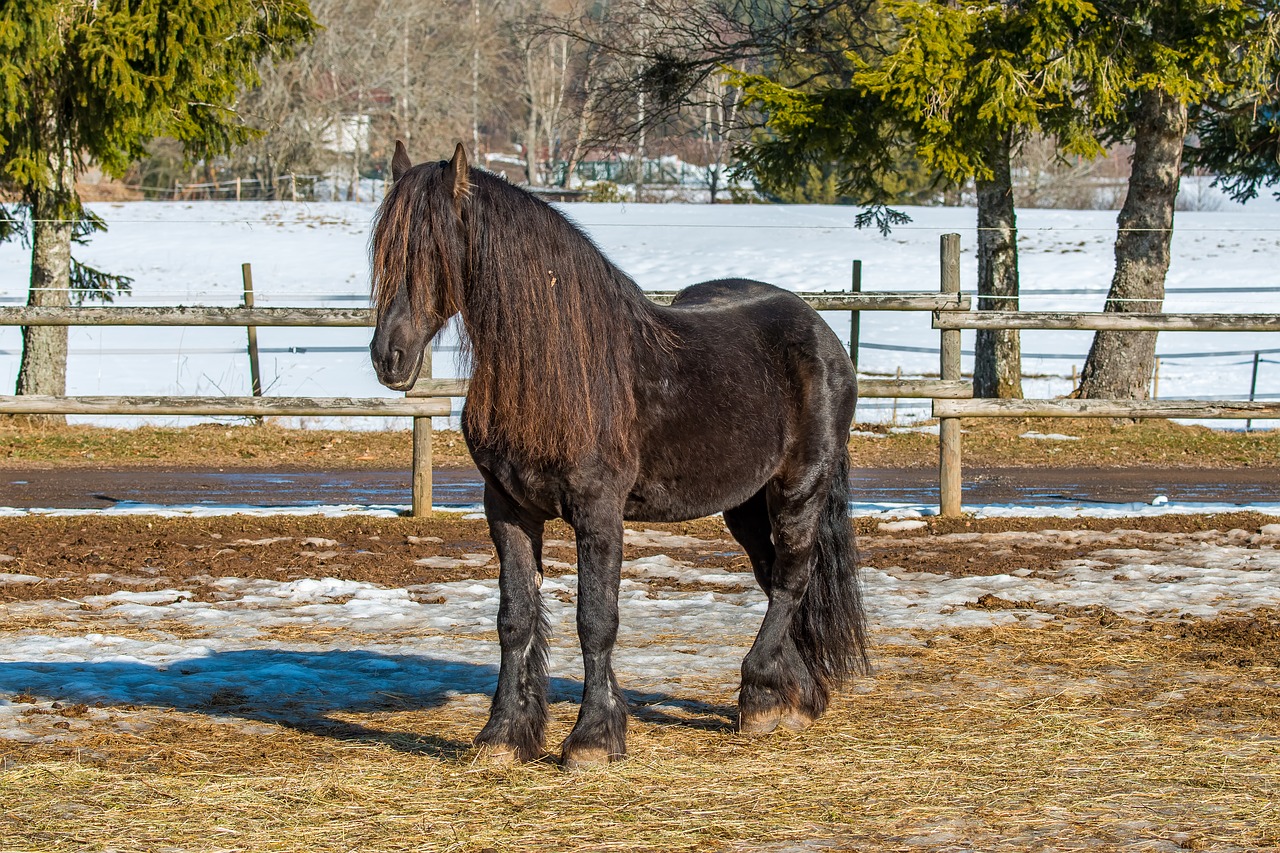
736, 294
773, 320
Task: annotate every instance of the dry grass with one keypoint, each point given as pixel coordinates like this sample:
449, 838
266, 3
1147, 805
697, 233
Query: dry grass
211, 446
995, 442
1076, 736
987, 442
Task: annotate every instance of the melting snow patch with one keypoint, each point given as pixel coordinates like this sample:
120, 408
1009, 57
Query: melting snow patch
1049, 436
442, 562
680, 623
897, 526
927, 429
659, 539
888, 509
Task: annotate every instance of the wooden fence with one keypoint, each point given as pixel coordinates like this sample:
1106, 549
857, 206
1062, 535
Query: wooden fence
427, 398
949, 411
952, 396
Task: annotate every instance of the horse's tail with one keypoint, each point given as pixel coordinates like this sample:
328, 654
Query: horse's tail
829, 629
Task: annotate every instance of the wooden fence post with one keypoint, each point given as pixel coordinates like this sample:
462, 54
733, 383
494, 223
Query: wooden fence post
422, 444
255, 375
855, 317
949, 428
1253, 388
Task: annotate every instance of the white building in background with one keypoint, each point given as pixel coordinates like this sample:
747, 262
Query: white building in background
347, 135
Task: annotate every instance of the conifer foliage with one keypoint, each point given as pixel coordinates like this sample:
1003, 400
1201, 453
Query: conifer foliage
964, 82
93, 82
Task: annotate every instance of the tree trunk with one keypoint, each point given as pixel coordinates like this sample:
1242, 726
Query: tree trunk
997, 368
43, 369
1120, 364
584, 118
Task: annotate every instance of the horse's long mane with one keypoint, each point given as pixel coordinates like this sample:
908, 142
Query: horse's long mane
553, 327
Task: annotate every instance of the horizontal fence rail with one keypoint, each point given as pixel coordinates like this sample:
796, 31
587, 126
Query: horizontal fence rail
357, 317
186, 316
1244, 409
875, 388
1108, 321
866, 301
34, 404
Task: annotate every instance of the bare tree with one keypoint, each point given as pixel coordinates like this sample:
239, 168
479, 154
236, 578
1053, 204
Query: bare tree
378, 71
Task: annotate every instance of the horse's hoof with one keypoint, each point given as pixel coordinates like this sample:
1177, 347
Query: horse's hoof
496, 754
796, 721
586, 758
759, 722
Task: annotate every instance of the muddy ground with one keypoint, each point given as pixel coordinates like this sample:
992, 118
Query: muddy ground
77, 556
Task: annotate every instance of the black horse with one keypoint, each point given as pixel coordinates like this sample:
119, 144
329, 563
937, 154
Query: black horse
589, 403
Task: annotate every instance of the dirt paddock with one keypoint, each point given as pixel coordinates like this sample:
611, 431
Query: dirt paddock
1039, 684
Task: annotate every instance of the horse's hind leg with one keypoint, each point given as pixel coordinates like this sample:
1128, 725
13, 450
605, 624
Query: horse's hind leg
777, 685
518, 717
749, 524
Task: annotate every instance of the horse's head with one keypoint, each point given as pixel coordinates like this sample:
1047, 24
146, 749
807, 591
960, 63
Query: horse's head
419, 251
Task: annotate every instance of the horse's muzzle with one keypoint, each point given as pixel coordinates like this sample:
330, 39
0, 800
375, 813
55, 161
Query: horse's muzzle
397, 371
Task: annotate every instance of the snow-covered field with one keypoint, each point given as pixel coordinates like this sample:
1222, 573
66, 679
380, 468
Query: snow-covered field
311, 645
316, 254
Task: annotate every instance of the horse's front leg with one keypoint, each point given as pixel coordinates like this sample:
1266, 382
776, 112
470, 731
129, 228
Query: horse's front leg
600, 735
518, 718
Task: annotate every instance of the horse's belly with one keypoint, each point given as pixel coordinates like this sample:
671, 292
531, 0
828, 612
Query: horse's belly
694, 491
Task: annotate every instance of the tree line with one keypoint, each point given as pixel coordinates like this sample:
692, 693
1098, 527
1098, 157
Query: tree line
878, 102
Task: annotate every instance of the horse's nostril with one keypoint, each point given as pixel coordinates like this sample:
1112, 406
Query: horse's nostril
397, 355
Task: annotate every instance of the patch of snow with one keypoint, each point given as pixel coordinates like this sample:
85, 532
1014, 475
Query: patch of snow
898, 526
1049, 436
660, 539
429, 643
442, 562
857, 509
927, 429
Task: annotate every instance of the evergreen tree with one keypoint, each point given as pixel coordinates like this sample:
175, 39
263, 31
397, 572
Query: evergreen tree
1238, 142
1175, 57
962, 83
83, 82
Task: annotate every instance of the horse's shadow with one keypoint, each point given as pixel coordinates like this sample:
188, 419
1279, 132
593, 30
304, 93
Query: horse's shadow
300, 690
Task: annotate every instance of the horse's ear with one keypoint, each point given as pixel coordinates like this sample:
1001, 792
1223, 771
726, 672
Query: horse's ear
456, 174
400, 162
